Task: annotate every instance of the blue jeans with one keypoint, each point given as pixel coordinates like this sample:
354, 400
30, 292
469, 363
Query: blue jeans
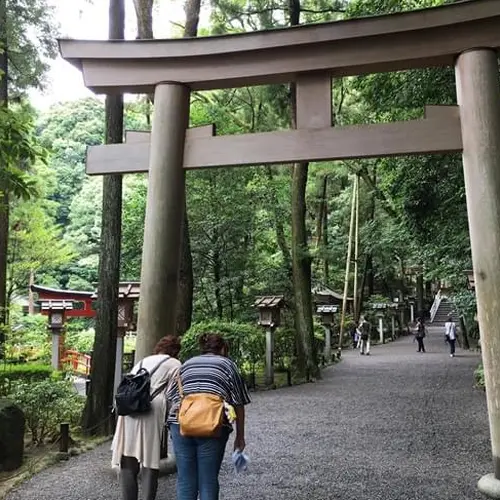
198, 464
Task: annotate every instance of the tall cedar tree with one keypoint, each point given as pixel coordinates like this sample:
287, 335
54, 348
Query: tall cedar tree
4, 195
97, 416
307, 362
144, 13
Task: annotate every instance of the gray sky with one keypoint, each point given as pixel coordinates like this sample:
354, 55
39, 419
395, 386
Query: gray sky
83, 20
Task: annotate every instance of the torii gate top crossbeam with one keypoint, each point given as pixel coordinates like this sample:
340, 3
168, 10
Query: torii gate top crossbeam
417, 39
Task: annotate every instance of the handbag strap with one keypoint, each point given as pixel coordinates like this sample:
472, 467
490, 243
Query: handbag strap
179, 385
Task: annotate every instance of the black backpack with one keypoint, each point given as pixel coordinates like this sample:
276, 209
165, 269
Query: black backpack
134, 392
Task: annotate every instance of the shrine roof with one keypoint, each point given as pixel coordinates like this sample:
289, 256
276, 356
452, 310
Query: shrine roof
270, 302
126, 290
62, 293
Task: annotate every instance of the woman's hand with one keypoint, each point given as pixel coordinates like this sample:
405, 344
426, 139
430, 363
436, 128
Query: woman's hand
239, 443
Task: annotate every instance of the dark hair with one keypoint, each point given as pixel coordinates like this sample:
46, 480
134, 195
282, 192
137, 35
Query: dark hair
212, 343
170, 345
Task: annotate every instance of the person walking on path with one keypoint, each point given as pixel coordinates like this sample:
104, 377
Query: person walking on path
199, 458
420, 334
364, 334
137, 440
450, 333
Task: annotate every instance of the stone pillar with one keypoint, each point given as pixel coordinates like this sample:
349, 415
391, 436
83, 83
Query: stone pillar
164, 217
57, 348
270, 356
328, 344
478, 93
381, 329
412, 313
120, 343
393, 326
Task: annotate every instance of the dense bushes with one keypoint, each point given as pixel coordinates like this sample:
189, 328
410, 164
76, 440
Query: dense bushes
246, 342
28, 373
46, 404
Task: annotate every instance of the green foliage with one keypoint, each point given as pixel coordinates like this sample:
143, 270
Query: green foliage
20, 149
246, 342
46, 404
479, 376
32, 41
27, 373
412, 209
27, 337
465, 303
78, 339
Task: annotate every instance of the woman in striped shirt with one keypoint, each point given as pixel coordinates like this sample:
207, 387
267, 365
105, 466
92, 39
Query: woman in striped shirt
199, 459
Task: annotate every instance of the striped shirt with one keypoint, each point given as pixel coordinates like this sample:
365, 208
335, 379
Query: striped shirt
209, 373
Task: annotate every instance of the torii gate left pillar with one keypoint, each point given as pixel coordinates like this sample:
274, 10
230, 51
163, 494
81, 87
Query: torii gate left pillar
164, 217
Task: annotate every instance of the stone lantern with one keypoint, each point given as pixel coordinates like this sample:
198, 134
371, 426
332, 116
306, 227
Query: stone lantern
379, 312
128, 294
394, 307
269, 318
326, 314
57, 319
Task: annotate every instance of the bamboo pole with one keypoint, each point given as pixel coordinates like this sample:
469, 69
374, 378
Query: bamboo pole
356, 254
348, 263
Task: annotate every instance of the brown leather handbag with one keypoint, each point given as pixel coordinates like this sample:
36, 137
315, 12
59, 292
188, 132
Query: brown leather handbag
200, 414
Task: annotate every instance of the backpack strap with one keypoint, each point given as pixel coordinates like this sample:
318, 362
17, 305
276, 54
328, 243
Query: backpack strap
162, 386
158, 365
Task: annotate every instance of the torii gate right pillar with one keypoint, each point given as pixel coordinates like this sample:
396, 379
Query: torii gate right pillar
478, 92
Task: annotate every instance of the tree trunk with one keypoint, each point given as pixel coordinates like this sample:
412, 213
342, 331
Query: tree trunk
326, 264
4, 195
217, 280
307, 362
301, 266
370, 274
322, 222
420, 294
192, 10
465, 337
278, 222
185, 299
97, 419
31, 298
144, 14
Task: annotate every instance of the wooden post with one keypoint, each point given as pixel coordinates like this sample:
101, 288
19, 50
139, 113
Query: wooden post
356, 254
478, 94
381, 329
120, 341
161, 252
393, 326
347, 265
64, 438
269, 356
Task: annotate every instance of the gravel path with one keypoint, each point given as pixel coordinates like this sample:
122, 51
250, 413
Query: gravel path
397, 425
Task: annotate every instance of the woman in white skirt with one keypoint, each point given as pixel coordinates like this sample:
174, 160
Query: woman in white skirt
137, 440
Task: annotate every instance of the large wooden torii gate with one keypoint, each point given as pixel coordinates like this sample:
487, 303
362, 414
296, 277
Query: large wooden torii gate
465, 35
